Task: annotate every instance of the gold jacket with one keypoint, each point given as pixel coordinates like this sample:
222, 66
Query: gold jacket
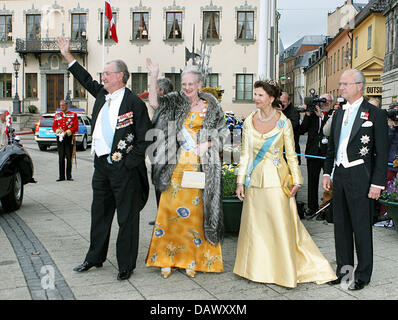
272, 169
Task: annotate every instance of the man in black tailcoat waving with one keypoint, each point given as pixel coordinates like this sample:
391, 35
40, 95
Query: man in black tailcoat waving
119, 123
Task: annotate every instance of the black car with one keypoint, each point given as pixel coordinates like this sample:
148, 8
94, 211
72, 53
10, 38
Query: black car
16, 170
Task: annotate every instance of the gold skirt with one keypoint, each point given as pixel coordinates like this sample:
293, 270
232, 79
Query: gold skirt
273, 244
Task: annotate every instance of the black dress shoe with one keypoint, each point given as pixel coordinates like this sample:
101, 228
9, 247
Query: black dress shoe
86, 266
70, 179
124, 274
60, 179
334, 282
358, 285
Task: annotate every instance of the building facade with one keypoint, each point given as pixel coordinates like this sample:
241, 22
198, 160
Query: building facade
315, 72
343, 17
145, 28
339, 59
288, 61
390, 75
368, 48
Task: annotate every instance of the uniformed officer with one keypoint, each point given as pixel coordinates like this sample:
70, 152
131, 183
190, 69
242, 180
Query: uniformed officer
65, 125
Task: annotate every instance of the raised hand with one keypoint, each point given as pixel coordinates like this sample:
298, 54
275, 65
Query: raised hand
152, 67
64, 47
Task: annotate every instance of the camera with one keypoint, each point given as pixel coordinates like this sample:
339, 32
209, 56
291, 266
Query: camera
312, 102
392, 114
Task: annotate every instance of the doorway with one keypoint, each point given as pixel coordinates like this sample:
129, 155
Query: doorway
55, 91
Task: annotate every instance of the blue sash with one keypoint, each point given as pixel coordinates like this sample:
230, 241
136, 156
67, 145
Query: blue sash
258, 158
189, 143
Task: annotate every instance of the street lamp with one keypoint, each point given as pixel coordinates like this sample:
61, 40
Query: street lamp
16, 103
67, 98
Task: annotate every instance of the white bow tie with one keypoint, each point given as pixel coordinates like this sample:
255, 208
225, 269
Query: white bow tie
347, 106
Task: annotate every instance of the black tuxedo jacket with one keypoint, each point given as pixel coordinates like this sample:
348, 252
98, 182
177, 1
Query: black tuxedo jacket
311, 124
368, 141
129, 145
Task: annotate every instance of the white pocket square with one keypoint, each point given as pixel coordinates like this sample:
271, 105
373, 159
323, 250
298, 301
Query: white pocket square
367, 124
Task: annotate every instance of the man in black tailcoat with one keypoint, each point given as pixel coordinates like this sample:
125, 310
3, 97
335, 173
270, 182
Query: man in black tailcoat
119, 123
312, 124
358, 151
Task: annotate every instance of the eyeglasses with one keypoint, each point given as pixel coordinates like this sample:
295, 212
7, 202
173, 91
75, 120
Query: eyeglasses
346, 84
107, 73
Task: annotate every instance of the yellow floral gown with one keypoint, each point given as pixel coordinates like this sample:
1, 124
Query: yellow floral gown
178, 238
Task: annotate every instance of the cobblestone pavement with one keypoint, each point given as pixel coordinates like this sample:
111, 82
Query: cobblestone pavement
49, 235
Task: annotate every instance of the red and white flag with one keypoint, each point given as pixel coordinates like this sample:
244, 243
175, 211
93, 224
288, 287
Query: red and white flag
109, 15
8, 123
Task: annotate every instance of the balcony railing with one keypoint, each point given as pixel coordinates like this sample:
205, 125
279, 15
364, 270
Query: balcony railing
48, 46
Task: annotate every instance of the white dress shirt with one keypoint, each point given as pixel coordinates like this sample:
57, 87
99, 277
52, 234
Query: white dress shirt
99, 145
342, 157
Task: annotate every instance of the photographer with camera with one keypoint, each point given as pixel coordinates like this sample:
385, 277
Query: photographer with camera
317, 113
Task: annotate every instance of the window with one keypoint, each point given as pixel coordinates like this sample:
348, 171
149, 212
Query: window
212, 80
370, 37
31, 85
140, 25
245, 25
79, 26
78, 90
342, 57
211, 24
5, 85
139, 82
356, 47
174, 25
334, 62
33, 30
5, 28
108, 32
175, 79
244, 87
347, 54
338, 60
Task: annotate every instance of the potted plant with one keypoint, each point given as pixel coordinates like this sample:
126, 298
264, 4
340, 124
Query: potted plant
32, 108
389, 197
232, 206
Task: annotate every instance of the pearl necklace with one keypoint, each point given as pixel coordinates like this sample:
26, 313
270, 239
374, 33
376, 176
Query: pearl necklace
266, 119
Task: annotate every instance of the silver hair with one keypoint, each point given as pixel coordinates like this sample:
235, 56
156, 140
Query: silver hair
194, 70
165, 85
120, 66
358, 76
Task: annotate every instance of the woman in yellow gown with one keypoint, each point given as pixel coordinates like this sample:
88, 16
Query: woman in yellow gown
273, 244
188, 227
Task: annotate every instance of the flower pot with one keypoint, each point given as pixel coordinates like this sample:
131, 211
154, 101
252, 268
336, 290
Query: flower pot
232, 208
392, 211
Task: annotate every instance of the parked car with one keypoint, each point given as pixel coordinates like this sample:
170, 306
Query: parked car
16, 170
46, 137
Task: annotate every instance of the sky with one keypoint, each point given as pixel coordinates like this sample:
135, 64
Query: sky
305, 17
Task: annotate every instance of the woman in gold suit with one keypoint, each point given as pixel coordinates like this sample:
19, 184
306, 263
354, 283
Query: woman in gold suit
273, 245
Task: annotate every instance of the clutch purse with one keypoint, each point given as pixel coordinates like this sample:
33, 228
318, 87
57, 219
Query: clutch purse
287, 184
193, 179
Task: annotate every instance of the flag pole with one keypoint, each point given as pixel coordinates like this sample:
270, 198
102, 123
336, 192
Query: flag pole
103, 38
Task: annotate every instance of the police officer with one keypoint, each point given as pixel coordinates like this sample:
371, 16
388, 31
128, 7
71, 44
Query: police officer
65, 125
